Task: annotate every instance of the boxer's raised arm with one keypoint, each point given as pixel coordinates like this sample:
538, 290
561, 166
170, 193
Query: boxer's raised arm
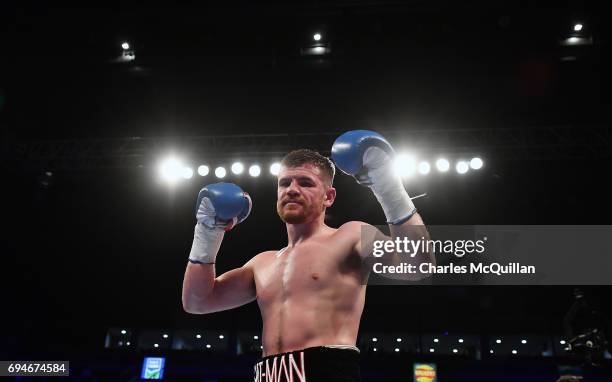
368, 157
219, 208
205, 293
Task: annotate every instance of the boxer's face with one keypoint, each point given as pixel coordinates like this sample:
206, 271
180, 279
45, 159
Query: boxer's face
302, 194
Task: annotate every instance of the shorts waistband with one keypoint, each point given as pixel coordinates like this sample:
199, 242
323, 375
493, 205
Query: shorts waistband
344, 347
314, 349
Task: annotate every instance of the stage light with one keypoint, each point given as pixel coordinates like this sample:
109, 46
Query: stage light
203, 170
462, 167
237, 168
514, 351
171, 169
316, 37
399, 340
374, 339
476, 163
208, 346
221, 336
436, 340
187, 172
275, 168
123, 332
220, 172
424, 168
404, 165
255, 337
576, 40
165, 336
442, 165
198, 336
374, 349
455, 350
156, 345
498, 341
127, 343
491, 351
254, 170
125, 46
523, 341
397, 350
431, 350
316, 50
562, 342
460, 340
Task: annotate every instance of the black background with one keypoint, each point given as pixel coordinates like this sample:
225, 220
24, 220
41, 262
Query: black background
106, 248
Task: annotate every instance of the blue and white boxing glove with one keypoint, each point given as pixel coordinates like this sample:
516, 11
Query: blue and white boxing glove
219, 208
368, 157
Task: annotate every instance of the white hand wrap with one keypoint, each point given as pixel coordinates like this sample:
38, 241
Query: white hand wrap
206, 244
387, 187
208, 234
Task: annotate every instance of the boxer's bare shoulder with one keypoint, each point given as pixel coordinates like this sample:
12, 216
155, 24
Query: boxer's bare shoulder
352, 228
361, 234
260, 259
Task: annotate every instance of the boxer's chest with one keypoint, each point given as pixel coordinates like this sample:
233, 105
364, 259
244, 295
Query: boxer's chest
294, 271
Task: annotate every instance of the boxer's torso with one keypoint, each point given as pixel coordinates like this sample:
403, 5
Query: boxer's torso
311, 294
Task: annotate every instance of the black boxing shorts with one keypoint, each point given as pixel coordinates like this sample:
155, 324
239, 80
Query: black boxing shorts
315, 364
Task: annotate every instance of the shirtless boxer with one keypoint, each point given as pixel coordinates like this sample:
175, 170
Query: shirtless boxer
311, 293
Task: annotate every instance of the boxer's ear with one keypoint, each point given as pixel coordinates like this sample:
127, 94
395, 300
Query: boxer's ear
330, 196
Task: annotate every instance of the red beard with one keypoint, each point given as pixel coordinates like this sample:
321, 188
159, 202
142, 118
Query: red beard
296, 214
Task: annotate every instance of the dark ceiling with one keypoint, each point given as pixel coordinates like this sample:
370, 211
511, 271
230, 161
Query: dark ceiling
237, 68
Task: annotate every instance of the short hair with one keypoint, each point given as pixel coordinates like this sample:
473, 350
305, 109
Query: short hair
301, 157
